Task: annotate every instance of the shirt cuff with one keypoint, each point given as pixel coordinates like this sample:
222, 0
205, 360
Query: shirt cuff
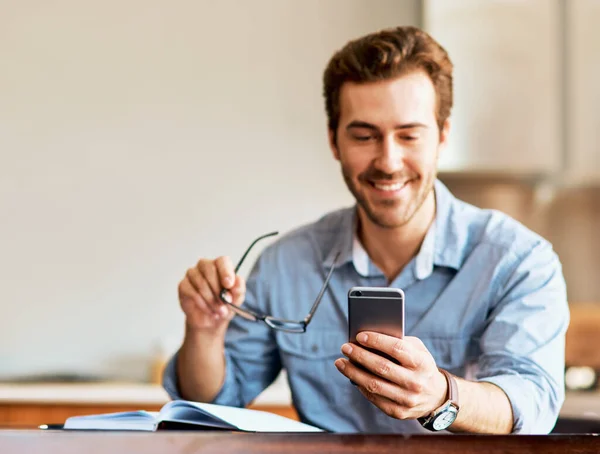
170, 379
530, 416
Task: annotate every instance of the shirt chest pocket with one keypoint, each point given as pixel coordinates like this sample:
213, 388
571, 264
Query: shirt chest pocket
309, 359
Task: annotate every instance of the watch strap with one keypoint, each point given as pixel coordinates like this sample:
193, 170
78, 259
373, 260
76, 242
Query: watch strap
451, 399
452, 388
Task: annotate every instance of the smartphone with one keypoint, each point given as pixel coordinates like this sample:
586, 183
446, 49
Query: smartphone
378, 309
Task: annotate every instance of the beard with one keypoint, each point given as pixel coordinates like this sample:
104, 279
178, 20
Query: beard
390, 214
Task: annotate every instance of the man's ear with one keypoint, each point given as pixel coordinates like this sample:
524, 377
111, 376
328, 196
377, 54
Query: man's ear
333, 144
444, 135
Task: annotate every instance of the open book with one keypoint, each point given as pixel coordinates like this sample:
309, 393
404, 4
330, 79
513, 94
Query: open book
186, 415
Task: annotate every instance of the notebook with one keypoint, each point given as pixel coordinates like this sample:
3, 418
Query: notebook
187, 415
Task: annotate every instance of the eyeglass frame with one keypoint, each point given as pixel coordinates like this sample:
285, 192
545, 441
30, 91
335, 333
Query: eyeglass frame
276, 323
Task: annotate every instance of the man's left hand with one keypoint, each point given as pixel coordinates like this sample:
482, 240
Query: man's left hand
408, 390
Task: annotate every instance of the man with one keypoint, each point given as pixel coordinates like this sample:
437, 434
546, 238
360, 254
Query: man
485, 297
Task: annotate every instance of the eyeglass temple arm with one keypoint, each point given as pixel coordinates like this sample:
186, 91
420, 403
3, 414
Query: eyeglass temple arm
266, 235
223, 293
323, 288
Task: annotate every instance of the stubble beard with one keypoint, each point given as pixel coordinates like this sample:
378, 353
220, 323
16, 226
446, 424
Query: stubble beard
387, 214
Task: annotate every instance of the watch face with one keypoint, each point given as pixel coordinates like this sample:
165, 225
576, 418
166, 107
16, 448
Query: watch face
444, 419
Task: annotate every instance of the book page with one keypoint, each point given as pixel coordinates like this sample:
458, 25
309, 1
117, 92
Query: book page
186, 413
130, 420
245, 419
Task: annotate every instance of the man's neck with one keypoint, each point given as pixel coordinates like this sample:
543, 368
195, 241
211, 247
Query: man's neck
392, 249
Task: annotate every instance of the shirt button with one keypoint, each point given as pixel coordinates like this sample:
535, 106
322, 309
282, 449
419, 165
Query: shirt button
315, 348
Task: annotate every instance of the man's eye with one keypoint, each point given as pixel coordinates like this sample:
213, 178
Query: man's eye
410, 138
363, 138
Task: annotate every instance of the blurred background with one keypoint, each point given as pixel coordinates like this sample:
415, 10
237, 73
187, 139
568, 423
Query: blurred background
138, 136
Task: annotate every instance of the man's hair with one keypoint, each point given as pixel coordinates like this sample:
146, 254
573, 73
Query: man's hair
385, 55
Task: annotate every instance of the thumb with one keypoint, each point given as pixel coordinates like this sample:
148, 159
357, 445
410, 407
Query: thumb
238, 291
416, 342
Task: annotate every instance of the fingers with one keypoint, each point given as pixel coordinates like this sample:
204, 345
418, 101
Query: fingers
189, 297
409, 351
225, 272
210, 284
231, 287
238, 291
204, 282
380, 375
372, 384
412, 388
417, 343
388, 406
202, 288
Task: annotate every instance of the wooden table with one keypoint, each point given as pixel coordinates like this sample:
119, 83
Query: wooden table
49, 442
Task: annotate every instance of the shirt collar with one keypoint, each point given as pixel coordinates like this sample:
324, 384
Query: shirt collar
444, 244
451, 229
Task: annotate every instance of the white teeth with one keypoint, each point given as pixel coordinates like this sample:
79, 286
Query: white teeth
389, 187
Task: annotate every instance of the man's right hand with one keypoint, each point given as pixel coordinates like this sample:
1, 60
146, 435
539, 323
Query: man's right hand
199, 294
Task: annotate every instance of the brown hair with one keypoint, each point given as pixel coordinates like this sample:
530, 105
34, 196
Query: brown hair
388, 54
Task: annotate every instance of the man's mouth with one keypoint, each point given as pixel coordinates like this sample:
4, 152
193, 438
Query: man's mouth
389, 186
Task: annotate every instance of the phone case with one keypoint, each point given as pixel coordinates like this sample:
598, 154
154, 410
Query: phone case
378, 309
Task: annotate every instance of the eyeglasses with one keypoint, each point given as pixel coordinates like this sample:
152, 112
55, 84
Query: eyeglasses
280, 324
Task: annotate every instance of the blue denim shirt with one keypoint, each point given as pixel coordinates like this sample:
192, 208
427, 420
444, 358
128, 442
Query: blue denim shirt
484, 294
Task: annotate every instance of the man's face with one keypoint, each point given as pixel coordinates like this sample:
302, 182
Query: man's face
388, 144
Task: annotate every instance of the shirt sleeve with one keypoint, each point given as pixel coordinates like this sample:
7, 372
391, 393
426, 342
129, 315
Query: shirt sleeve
251, 354
169, 379
524, 343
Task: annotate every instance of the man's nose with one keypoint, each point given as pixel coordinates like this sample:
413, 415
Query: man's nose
390, 158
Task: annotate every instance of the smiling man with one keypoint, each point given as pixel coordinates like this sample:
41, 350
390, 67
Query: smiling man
486, 309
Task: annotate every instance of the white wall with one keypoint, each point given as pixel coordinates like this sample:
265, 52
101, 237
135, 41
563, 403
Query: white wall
507, 79
137, 136
583, 73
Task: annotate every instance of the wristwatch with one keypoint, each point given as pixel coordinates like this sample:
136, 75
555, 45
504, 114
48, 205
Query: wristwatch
442, 417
